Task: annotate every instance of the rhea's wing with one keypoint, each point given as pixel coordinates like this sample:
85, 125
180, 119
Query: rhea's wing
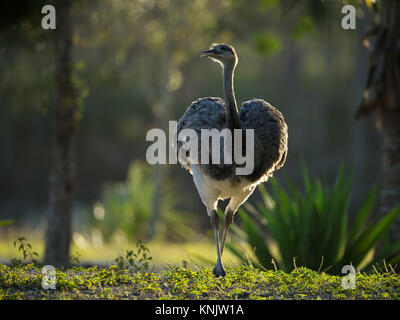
206, 113
270, 137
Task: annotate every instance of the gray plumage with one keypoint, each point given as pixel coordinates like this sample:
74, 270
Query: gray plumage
219, 181
270, 135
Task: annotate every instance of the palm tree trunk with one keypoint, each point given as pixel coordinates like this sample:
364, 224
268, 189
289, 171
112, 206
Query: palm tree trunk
382, 93
390, 192
62, 175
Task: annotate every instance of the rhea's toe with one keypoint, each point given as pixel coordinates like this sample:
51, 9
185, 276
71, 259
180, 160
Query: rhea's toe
219, 271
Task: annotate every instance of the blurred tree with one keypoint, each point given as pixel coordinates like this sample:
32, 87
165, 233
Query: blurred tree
64, 123
64, 119
20, 27
14, 16
382, 93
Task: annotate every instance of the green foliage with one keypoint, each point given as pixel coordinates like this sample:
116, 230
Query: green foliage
244, 282
136, 260
304, 26
25, 248
5, 222
74, 258
128, 207
313, 227
267, 43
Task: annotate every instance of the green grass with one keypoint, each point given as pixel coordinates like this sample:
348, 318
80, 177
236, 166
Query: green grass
180, 282
178, 271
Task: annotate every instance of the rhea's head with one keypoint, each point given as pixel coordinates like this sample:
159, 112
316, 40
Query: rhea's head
222, 53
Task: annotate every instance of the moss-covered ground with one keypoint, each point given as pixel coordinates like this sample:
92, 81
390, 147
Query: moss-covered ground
25, 282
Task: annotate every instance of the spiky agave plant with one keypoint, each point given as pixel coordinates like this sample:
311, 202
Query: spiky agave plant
313, 227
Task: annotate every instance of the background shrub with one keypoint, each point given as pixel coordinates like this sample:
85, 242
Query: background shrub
311, 228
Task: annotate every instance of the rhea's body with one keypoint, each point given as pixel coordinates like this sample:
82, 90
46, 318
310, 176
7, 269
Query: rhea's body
218, 181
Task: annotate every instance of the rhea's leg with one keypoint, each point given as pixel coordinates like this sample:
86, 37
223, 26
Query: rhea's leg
209, 197
227, 222
230, 210
218, 270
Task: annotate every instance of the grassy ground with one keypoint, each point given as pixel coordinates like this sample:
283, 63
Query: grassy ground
178, 271
179, 282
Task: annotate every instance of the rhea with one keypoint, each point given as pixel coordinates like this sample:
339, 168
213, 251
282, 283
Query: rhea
220, 181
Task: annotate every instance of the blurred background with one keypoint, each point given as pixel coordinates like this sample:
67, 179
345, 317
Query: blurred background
136, 66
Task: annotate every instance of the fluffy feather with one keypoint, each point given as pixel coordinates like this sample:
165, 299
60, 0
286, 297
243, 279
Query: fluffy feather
270, 136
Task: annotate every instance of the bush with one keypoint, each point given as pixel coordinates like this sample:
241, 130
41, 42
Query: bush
5, 222
313, 228
127, 207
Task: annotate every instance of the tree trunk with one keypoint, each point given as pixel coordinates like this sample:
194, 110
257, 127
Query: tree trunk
382, 93
390, 192
64, 120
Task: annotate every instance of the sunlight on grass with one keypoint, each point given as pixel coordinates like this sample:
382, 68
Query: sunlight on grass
201, 253
178, 282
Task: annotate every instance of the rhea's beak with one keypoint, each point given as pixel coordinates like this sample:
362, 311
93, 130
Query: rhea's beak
207, 53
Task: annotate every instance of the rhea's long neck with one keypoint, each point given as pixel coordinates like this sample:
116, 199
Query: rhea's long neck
232, 117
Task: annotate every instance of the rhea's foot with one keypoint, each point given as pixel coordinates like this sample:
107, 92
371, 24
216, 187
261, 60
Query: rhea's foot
219, 271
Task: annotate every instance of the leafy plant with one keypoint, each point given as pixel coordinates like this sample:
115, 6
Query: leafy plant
136, 260
26, 249
127, 207
5, 222
75, 258
313, 228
